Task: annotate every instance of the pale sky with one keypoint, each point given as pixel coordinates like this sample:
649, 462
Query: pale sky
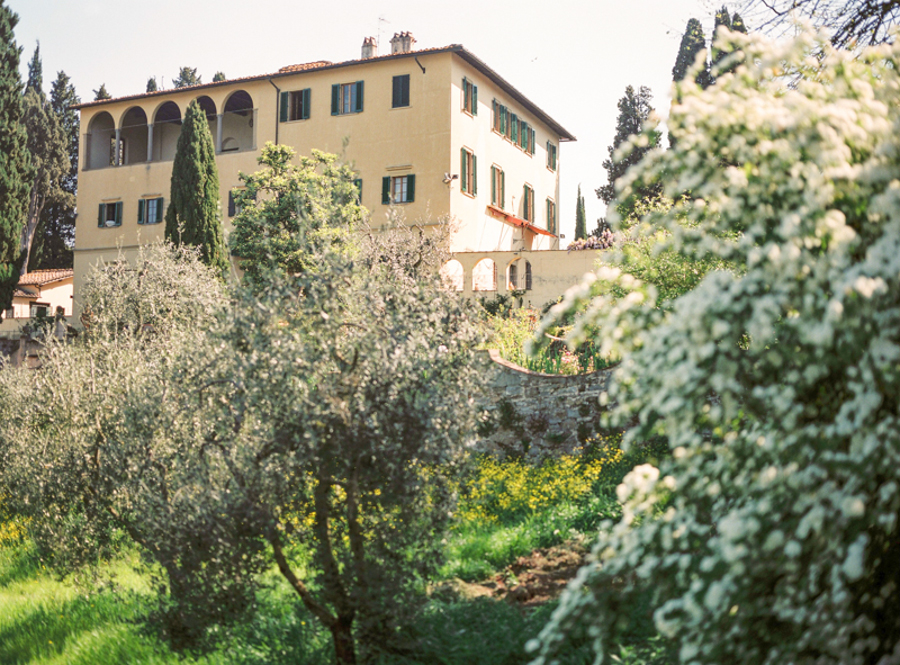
573, 58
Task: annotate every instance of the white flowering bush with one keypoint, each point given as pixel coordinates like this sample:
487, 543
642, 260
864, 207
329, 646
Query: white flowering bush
771, 534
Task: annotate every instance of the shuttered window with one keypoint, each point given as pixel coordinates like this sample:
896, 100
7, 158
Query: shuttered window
347, 98
498, 187
398, 189
470, 97
551, 216
150, 211
551, 156
528, 204
400, 96
468, 169
295, 105
110, 214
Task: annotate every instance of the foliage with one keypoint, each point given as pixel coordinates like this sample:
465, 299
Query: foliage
771, 535
15, 164
580, 221
48, 147
219, 76
101, 93
511, 331
35, 72
194, 216
77, 456
691, 52
602, 240
636, 119
152, 86
851, 22
55, 233
187, 76
290, 213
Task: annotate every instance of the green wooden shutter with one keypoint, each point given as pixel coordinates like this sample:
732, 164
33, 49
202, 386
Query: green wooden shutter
474, 100
159, 210
285, 100
463, 171
410, 188
493, 185
503, 120
304, 101
502, 189
231, 206
359, 97
118, 213
465, 87
358, 184
386, 190
141, 211
335, 96
474, 175
100, 220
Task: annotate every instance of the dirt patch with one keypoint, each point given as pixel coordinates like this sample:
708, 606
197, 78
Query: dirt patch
532, 580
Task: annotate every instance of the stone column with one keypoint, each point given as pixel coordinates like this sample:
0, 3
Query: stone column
118, 139
149, 143
219, 118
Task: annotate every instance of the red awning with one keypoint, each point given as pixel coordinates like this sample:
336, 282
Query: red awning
509, 218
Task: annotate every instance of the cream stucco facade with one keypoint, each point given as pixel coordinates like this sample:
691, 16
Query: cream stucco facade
421, 149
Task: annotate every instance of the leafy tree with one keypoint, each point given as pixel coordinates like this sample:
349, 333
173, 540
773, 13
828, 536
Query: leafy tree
290, 213
693, 43
101, 93
219, 76
771, 534
48, 147
35, 71
15, 164
151, 84
580, 231
194, 215
55, 234
187, 76
851, 22
634, 113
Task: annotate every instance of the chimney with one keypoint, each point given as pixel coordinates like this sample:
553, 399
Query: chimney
369, 48
402, 42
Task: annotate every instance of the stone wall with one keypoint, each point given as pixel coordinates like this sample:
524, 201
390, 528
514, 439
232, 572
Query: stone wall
535, 414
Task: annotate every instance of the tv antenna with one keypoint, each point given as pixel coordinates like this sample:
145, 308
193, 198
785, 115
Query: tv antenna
381, 19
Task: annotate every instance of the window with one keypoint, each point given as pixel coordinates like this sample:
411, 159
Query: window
470, 97
110, 214
401, 92
498, 187
357, 182
40, 309
468, 168
295, 105
514, 128
346, 98
526, 137
551, 156
150, 211
398, 189
551, 216
528, 204
234, 205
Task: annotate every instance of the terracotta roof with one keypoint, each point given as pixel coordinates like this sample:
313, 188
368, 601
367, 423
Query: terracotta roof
289, 70
22, 293
41, 277
305, 66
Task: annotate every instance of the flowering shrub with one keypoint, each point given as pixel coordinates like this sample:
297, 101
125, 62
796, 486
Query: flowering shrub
603, 241
771, 535
504, 490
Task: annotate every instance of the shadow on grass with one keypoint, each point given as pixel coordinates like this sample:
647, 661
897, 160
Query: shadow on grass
17, 563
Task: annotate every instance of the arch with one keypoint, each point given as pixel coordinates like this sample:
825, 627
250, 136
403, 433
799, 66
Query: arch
101, 137
237, 102
237, 119
208, 106
484, 275
166, 127
452, 275
133, 136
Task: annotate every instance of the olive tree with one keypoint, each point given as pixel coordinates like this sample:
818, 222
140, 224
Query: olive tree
93, 451
771, 534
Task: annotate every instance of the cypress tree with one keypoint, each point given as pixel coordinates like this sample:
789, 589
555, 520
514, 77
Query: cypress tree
692, 43
151, 84
55, 234
634, 111
101, 93
15, 164
187, 76
580, 221
193, 216
35, 71
219, 76
737, 23
723, 20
